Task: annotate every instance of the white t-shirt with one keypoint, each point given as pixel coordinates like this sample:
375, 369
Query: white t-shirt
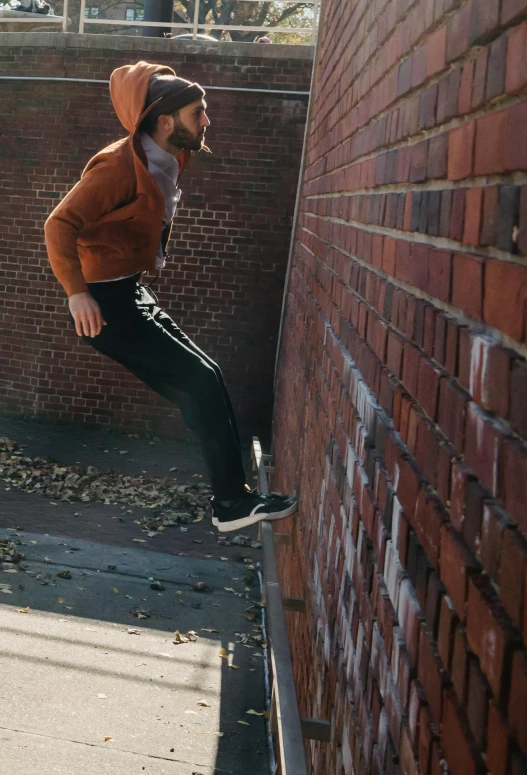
164, 168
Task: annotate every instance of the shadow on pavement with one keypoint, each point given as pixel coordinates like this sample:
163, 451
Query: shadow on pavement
93, 656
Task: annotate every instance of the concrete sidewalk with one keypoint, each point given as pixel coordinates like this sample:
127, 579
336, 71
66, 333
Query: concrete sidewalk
80, 666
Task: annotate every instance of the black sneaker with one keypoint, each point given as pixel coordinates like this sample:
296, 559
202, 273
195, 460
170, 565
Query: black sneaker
276, 498
252, 508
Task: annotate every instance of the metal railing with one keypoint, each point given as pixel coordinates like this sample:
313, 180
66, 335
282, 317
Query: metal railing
195, 26
285, 720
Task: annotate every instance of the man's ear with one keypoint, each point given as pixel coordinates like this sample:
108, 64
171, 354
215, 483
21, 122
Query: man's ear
164, 122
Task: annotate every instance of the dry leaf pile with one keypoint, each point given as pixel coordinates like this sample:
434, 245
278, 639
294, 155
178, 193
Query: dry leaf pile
175, 503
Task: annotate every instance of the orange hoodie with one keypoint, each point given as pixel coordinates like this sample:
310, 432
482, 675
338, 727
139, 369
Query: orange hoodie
109, 224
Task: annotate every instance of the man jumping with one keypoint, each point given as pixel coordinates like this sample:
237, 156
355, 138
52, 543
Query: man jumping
114, 225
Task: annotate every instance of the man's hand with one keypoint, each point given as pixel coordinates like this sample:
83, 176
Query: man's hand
86, 314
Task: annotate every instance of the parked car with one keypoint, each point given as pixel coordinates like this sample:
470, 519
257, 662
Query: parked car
189, 36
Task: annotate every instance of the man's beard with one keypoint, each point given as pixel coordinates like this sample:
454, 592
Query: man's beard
182, 138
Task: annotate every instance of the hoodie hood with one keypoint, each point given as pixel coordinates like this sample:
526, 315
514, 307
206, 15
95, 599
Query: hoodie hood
129, 87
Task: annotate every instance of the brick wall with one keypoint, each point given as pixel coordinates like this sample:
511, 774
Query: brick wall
402, 390
223, 283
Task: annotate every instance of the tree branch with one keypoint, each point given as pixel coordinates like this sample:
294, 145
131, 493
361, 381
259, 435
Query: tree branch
226, 11
264, 10
287, 12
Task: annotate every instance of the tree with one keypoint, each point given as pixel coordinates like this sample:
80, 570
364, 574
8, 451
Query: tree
245, 13
264, 13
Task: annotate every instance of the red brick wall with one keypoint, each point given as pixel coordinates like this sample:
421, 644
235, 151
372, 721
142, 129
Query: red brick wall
402, 390
223, 283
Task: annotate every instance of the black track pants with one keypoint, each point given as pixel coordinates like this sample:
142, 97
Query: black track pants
147, 342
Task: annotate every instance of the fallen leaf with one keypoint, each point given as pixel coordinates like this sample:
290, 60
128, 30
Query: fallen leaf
139, 540
115, 591
23, 610
203, 704
180, 638
60, 600
102, 697
107, 739
245, 723
64, 574
223, 654
205, 629
200, 586
140, 613
252, 712
133, 631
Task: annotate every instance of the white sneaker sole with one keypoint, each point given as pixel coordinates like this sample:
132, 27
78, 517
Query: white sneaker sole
252, 519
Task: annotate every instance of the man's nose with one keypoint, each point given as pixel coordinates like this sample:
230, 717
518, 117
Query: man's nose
204, 120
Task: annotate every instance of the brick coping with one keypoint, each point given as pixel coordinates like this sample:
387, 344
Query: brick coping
60, 40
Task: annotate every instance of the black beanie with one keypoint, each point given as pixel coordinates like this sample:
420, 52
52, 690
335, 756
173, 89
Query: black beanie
173, 92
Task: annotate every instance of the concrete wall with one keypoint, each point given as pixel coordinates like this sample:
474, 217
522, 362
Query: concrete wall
223, 282
402, 390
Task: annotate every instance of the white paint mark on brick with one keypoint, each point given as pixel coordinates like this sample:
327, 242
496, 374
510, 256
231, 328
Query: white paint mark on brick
479, 364
396, 516
393, 573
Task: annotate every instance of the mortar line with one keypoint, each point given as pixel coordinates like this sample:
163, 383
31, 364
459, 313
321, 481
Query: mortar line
425, 35
503, 422
502, 103
516, 178
373, 54
356, 25
472, 53
449, 309
442, 243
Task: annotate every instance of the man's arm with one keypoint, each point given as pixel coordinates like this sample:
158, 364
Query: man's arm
98, 192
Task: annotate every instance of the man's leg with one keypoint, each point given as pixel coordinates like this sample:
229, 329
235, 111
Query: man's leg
173, 329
